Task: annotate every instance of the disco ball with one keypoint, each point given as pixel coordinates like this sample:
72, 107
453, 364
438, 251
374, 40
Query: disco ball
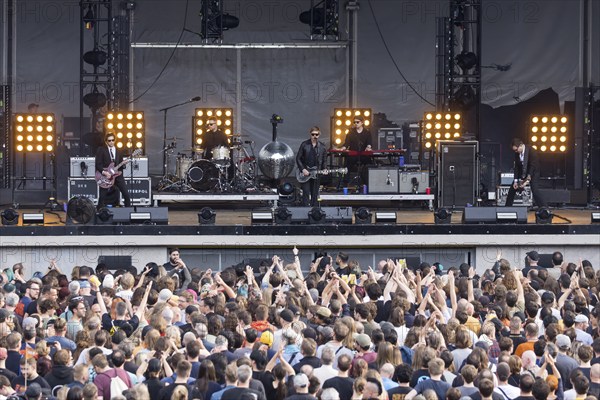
276, 160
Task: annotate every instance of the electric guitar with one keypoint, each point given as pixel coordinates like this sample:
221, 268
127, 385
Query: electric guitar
106, 182
314, 172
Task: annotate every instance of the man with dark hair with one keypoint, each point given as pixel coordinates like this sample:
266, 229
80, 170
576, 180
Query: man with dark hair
61, 373
32, 292
402, 375
486, 389
182, 370
106, 155
175, 267
527, 172
435, 383
28, 376
526, 382
342, 383
311, 158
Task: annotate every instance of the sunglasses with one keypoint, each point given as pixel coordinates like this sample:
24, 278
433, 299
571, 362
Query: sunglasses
315, 134
211, 123
357, 122
110, 140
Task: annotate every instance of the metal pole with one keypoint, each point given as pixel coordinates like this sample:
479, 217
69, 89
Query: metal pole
238, 92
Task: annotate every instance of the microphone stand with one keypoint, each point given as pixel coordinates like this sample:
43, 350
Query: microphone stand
165, 110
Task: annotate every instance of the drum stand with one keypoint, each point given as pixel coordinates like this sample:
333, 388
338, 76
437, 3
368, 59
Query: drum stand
244, 178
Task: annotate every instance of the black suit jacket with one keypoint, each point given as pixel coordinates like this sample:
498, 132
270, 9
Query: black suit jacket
302, 157
530, 165
103, 158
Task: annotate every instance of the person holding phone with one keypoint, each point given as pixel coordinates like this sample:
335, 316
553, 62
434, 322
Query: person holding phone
175, 267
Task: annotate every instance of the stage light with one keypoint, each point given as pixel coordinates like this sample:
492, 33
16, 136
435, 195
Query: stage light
385, 217
95, 57
323, 18
446, 126
261, 217
550, 126
129, 135
80, 210
442, 216
223, 117
506, 217
207, 216
595, 217
466, 60
286, 189
33, 142
362, 216
33, 218
140, 217
342, 121
94, 99
543, 216
10, 217
104, 216
89, 19
283, 216
214, 21
316, 216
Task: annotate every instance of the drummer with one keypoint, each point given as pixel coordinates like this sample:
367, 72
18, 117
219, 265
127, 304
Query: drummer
213, 137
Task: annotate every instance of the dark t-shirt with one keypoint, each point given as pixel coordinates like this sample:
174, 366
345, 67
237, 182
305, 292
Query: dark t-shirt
108, 322
235, 393
167, 391
154, 388
19, 383
399, 392
440, 387
302, 396
344, 386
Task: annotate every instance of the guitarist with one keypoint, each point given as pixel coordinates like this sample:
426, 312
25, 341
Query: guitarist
527, 172
311, 156
104, 157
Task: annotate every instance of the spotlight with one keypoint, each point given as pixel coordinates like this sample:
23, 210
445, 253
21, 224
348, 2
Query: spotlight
385, 217
95, 57
80, 210
362, 216
261, 217
33, 219
10, 217
286, 189
342, 121
466, 60
222, 116
316, 216
34, 132
595, 217
140, 217
129, 128
95, 99
436, 126
323, 18
554, 129
206, 216
283, 216
442, 216
88, 18
543, 216
104, 216
507, 217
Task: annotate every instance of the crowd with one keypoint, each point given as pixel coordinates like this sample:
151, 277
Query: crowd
329, 330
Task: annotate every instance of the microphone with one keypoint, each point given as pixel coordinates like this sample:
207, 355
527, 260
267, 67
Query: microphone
248, 141
197, 98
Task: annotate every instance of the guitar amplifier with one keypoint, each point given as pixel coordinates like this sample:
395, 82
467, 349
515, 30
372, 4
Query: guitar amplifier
521, 199
86, 187
82, 167
413, 181
383, 180
140, 168
140, 191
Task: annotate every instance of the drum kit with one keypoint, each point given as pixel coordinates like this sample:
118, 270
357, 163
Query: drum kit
231, 169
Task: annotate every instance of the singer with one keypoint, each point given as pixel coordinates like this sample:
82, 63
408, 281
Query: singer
310, 159
104, 157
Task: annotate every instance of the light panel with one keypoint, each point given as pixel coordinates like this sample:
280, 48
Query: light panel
549, 133
223, 116
34, 133
342, 122
129, 128
440, 126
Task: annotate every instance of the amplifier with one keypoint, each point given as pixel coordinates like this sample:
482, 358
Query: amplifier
390, 138
383, 180
140, 191
82, 167
140, 168
413, 181
86, 187
507, 178
521, 199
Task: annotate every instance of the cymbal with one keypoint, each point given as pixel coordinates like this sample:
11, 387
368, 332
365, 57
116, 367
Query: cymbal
174, 138
189, 149
238, 135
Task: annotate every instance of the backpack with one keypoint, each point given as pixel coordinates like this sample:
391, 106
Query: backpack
117, 385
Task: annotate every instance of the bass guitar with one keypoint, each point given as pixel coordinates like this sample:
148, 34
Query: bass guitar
312, 173
106, 182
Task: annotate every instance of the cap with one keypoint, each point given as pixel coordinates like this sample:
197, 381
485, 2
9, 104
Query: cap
324, 312
33, 391
267, 338
9, 288
286, 315
533, 255
84, 285
325, 331
164, 295
563, 341
3, 353
4, 313
363, 340
300, 380
29, 323
581, 318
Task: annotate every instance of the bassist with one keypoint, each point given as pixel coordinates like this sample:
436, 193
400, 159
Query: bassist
311, 156
104, 157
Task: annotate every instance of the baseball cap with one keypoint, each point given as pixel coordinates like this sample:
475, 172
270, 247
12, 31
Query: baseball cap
84, 284
300, 380
324, 312
164, 295
563, 341
363, 340
286, 315
267, 338
581, 318
533, 255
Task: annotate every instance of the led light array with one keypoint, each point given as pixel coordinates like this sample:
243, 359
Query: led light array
440, 126
34, 132
342, 121
128, 127
223, 116
549, 133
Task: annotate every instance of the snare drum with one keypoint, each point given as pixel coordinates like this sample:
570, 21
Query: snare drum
221, 154
183, 165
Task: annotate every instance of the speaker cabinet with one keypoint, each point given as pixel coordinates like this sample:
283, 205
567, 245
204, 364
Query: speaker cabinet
158, 215
331, 215
495, 215
458, 173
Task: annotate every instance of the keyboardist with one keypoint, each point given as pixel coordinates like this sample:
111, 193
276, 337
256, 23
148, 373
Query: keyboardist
358, 139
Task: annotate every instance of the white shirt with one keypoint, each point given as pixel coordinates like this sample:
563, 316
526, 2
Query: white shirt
325, 372
507, 391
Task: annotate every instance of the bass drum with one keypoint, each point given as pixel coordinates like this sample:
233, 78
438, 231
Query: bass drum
203, 175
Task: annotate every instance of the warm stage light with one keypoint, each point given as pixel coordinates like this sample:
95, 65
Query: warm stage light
127, 134
446, 126
38, 123
342, 121
223, 117
550, 125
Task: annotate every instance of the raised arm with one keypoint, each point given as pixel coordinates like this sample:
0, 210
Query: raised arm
453, 302
142, 308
